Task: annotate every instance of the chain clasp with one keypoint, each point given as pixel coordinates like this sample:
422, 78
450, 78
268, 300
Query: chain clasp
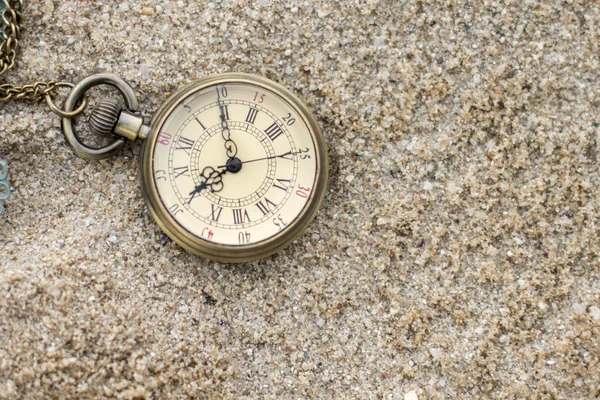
127, 124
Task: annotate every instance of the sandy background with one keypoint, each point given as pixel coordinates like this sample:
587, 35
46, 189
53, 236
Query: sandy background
456, 254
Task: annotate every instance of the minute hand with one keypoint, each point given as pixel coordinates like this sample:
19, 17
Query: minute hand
284, 155
230, 146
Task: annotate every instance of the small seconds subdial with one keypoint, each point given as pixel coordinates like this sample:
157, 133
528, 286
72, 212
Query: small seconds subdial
236, 164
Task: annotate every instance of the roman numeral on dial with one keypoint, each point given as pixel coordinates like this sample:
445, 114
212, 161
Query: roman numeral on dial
215, 212
203, 127
224, 109
181, 171
251, 117
185, 144
273, 131
266, 206
283, 184
287, 156
240, 216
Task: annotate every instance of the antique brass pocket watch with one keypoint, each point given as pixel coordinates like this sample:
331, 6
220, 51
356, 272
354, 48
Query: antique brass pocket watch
233, 168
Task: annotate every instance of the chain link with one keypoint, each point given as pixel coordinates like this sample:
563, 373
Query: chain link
11, 33
31, 93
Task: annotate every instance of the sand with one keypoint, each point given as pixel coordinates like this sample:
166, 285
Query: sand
455, 255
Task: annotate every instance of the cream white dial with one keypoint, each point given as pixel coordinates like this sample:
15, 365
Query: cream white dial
235, 163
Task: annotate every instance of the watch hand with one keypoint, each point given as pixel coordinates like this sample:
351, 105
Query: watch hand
196, 191
284, 155
230, 146
212, 179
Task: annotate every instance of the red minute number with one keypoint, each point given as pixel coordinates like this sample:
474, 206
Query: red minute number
164, 138
302, 192
260, 98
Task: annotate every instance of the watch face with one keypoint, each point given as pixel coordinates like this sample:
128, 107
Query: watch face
236, 163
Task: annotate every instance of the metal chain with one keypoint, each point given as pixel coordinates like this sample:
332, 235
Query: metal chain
39, 91
11, 33
31, 93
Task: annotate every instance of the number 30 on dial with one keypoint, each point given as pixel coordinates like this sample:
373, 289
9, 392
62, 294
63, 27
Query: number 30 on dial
235, 167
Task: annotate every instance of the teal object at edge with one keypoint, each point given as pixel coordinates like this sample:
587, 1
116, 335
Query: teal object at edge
4, 184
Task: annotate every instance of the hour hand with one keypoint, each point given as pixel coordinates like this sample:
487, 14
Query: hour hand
210, 178
197, 191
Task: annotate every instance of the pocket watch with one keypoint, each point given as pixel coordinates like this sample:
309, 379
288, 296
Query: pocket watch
233, 168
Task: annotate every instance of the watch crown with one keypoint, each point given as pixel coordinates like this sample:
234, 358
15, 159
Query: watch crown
104, 117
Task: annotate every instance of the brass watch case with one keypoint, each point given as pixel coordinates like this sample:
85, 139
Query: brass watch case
229, 253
